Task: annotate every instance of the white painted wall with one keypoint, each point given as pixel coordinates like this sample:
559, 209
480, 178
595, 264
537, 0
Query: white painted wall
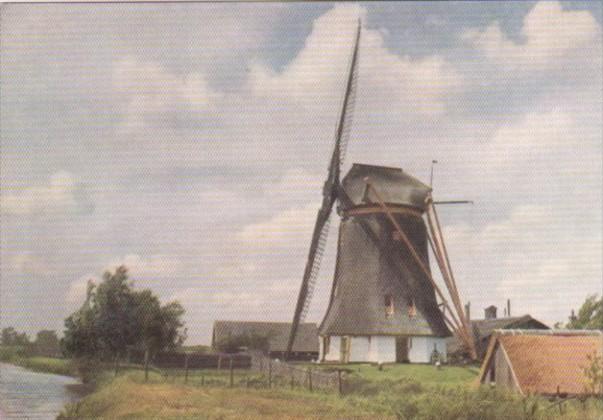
359, 349
420, 349
334, 349
382, 349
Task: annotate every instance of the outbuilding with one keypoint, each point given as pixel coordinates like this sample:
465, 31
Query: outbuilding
544, 362
305, 346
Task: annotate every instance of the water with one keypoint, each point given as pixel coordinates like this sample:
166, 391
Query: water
32, 395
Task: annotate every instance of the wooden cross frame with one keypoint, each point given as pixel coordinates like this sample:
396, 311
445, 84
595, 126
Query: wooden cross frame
458, 320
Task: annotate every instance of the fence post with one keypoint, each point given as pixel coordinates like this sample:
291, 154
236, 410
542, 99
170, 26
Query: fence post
186, 368
270, 373
339, 382
231, 373
310, 379
146, 365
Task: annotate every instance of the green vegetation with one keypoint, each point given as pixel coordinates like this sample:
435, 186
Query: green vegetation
396, 392
115, 318
590, 315
424, 374
17, 355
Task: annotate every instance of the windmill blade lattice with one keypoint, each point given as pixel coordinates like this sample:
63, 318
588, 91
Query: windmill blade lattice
320, 250
321, 228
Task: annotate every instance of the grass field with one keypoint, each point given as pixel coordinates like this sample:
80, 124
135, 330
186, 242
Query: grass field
426, 375
396, 392
14, 355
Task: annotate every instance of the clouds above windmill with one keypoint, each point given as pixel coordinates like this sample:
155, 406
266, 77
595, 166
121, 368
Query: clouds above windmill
552, 37
314, 78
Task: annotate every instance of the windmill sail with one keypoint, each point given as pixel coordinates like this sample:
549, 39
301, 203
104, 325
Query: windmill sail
321, 227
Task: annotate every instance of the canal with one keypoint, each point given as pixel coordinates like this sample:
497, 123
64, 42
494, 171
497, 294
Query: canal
31, 395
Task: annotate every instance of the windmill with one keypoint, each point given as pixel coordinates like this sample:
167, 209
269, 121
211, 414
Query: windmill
384, 304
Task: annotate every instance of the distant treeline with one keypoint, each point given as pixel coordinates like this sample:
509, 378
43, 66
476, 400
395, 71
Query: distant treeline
46, 343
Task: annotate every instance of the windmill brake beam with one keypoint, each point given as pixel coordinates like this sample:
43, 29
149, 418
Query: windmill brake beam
460, 327
439, 249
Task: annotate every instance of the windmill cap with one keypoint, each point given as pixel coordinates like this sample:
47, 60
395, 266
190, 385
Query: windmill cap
393, 185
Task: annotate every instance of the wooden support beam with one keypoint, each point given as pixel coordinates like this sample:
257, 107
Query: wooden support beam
419, 261
443, 258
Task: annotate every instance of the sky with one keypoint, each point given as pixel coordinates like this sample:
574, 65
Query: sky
190, 141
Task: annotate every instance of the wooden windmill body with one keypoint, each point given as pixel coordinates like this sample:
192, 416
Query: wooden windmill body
385, 305
381, 309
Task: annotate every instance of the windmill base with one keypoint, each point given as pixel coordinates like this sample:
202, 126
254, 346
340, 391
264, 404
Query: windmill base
382, 349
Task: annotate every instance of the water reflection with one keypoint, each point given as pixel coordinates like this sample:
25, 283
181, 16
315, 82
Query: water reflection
31, 395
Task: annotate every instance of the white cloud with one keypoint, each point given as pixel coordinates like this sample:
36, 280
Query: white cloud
28, 263
288, 226
552, 37
147, 268
62, 195
152, 90
536, 257
314, 79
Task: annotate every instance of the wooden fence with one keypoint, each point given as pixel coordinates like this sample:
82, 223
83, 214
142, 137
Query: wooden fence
281, 373
276, 373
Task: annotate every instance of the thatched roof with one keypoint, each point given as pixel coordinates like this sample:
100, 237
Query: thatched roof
545, 362
306, 339
394, 185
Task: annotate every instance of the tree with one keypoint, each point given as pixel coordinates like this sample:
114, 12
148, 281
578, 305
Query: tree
159, 327
115, 318
590, 315
11, 337
47, 343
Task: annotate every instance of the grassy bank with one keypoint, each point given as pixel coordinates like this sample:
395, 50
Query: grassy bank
15, 356
400, 392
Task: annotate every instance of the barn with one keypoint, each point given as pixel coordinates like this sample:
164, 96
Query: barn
305, 346
483, 329
541, 362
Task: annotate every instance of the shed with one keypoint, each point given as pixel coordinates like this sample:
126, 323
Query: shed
541, 362
305, 346
483, 329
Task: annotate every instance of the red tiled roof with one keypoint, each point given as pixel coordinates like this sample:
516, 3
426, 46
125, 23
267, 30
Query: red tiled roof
544, 364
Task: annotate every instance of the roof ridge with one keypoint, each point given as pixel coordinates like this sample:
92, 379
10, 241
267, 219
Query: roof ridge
552, 332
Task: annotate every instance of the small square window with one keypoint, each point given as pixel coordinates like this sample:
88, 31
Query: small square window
389, 306
412, 309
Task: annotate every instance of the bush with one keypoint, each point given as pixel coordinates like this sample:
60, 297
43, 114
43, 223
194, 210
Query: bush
366, 387
88, 369
464, 404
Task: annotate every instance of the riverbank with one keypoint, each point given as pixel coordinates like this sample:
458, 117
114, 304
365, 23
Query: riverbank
370, 394
41, 364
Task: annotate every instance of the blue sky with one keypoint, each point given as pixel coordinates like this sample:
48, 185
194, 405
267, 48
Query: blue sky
190, 142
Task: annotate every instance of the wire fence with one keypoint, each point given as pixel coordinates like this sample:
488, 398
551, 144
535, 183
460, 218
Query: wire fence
279, 372
249, 370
